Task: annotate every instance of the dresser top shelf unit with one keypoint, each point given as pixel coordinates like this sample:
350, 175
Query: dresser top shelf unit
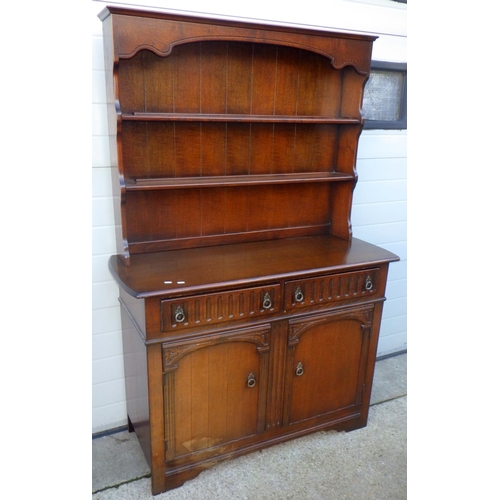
231, 132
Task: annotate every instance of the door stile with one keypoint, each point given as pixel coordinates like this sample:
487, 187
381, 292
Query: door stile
169, 401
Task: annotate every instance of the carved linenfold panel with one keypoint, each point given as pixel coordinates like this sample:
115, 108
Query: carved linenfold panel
189, 312
324, 289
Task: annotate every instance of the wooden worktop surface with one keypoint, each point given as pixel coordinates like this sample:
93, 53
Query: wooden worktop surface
203, 269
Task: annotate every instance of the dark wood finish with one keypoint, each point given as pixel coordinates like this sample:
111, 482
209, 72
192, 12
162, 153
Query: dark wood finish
250, 314
206, 104
195, 270
221, 307
331, 378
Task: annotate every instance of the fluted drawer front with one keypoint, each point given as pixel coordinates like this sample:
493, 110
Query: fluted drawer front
335, 287
199, 310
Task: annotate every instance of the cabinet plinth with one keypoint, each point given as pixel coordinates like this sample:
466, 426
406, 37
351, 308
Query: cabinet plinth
250, 315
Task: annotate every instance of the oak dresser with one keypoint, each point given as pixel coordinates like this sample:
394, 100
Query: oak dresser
250, 313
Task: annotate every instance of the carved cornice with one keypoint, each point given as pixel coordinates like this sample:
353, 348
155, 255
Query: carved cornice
161, 33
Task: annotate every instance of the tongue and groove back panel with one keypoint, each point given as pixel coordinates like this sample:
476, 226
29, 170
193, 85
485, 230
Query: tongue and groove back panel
231, 77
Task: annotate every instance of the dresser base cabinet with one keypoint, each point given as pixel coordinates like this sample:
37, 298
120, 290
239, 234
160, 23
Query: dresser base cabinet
227, 383
250, 313
193, 403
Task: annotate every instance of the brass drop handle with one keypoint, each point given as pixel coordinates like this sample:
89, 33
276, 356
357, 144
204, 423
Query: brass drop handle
267, 302
299, 296
180, 315
368, 283
299, 370
251, 380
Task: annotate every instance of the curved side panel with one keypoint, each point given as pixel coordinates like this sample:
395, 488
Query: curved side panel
115, 141
119, 193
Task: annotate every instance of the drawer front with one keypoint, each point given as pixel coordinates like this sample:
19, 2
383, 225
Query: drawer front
213, 308
332, 288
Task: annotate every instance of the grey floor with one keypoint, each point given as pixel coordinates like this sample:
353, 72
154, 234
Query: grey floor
365, 464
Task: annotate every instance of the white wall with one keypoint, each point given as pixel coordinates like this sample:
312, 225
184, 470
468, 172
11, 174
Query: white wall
379, 208
379, 216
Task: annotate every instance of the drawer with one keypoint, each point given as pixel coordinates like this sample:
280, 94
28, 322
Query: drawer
332, 288
213, 308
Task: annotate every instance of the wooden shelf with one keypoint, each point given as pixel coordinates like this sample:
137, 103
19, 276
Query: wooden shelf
200, 117
234, 180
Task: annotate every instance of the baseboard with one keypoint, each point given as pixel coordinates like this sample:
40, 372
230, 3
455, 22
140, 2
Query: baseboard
109, 432
391, 355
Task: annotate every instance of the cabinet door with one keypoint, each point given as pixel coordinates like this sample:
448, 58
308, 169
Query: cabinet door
214, 390
327, 356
